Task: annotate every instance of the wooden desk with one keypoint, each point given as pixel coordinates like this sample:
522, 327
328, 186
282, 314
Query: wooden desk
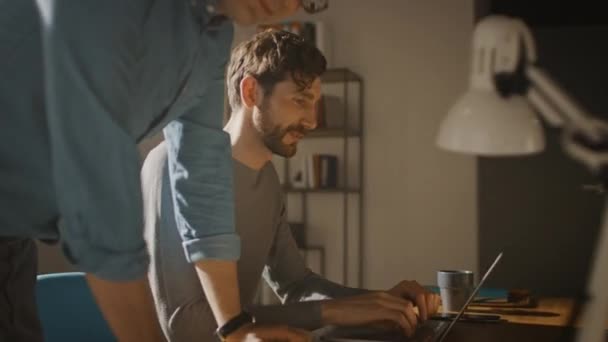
549, 311
544, 322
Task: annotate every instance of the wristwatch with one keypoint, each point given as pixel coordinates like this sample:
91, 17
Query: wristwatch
234, 324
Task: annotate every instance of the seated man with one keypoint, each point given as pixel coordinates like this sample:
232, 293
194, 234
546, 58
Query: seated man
274, 85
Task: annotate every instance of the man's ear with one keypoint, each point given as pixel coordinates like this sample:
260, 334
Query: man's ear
249, 91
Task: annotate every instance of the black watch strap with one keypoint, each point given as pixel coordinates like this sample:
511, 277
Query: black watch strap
234, 324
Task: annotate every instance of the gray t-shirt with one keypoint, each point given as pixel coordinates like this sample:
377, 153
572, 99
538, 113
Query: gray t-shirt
267, 249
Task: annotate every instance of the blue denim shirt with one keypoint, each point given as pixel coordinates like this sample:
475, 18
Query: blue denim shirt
81, 82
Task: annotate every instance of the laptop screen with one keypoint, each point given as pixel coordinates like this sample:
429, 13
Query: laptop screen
470, 299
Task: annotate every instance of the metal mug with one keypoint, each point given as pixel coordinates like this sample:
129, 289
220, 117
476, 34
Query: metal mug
455, 286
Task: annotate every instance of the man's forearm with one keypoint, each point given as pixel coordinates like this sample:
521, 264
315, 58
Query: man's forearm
220, 283
315, 287
301, 315
128, 308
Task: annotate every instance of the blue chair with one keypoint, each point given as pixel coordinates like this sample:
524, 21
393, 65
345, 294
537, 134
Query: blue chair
68, 312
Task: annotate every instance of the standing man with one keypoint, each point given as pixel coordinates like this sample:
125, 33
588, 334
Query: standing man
81, 82
274, 87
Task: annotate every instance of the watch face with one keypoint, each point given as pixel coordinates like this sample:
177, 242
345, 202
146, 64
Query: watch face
315, 6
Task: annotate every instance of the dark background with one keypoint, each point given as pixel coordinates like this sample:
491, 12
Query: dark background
535, 208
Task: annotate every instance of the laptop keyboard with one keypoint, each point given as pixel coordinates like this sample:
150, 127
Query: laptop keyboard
428, 331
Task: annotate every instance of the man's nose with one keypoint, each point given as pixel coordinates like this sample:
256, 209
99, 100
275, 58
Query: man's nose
311, 120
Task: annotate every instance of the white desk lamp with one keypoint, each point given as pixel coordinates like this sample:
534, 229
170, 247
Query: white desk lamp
497, 117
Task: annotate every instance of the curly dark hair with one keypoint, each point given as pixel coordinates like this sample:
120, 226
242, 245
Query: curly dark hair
270, 57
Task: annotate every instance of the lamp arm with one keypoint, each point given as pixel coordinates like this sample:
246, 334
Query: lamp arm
585, 137
572, 114
548, 111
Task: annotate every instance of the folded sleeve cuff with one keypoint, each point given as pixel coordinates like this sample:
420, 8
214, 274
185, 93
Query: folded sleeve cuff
109, 265
109, 257
222, 247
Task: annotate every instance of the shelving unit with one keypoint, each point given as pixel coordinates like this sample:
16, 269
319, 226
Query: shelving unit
352, 128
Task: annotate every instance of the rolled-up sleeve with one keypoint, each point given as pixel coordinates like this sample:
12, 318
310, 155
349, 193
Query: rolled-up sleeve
201, 176
87, 60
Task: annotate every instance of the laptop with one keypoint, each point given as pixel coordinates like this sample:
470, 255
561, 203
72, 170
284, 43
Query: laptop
431, 330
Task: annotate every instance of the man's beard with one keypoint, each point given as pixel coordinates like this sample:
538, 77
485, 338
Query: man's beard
272, 136
274, 142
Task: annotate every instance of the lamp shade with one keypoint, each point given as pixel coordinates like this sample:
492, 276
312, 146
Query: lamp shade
484, 123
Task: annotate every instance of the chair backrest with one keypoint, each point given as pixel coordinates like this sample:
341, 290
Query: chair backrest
68, 311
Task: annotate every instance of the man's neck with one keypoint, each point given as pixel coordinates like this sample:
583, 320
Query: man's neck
247, 147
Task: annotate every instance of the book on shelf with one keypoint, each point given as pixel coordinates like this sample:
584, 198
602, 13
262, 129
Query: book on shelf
322, 171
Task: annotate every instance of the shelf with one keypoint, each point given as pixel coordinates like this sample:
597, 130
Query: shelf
322, 190
339, 75
332, 133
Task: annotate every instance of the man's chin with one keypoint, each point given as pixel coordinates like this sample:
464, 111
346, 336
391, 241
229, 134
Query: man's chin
287, 151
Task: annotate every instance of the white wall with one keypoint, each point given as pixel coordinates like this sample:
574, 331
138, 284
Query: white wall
420, 203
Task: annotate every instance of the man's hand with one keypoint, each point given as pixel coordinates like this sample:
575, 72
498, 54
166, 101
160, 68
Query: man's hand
377, 308
248, 12
426, 301
260, 333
